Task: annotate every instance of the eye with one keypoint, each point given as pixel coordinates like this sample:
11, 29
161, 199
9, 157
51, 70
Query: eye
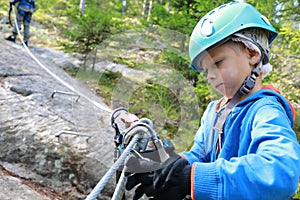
218, 63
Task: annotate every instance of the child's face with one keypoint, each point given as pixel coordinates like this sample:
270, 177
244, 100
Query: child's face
227, 66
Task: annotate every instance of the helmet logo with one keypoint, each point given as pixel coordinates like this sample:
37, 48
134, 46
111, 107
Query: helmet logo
207, 27
265, 20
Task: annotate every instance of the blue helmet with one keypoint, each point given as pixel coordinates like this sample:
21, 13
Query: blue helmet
222, 22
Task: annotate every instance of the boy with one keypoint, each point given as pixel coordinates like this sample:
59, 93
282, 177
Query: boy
245, 147
25, 10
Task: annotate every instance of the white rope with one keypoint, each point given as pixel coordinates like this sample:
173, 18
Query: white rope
56, 77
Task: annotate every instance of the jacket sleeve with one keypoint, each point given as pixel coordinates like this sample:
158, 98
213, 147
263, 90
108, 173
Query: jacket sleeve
269, 170
204, 139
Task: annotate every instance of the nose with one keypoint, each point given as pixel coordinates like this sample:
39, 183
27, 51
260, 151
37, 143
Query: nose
211, 73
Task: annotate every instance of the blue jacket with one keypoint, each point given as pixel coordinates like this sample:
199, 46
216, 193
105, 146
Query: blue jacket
260, 154
25, 5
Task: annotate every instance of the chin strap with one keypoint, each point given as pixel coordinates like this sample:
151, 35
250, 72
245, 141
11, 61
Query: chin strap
250, 81
247, 86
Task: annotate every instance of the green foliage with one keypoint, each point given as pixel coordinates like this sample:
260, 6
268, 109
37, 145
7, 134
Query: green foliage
181, 15
175, 21
154, 94
107, 82
171, 106
290, 38
125, 61
159, 104
51, 6
51, 13
179, 62
104, 81
88, 30
267, 8
195, 9
109, 78
296, 196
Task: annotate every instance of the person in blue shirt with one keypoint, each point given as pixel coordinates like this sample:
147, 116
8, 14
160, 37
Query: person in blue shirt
24, 13
245, 147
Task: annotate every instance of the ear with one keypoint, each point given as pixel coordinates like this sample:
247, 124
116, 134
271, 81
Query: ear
254, 56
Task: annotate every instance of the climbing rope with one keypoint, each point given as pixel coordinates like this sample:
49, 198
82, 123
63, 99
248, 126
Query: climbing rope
105, 179
54, 75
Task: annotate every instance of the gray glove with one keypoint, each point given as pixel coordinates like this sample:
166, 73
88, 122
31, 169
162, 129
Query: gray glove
169, 180
160, 180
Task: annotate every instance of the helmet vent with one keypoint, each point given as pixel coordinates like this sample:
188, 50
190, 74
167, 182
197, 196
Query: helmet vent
265, 20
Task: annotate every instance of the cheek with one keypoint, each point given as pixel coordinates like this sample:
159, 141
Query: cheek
233, 79
231, 73
238, 71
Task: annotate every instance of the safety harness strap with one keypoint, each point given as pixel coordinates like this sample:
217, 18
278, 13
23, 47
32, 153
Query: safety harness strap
222, 118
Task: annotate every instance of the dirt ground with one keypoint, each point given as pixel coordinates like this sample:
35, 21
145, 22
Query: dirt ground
14, 187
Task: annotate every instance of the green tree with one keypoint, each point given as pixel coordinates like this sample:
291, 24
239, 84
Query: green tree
87, 31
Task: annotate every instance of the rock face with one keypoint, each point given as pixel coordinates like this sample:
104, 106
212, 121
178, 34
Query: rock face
35, 127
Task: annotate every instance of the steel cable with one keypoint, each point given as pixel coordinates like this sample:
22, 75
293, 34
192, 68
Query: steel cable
108, 175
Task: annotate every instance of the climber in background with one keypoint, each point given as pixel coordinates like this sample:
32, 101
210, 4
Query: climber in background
24, 13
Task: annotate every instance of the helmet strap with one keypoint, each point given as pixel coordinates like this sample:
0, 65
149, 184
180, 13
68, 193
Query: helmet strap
250, 80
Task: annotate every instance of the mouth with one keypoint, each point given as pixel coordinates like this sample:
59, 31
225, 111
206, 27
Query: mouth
218, 86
